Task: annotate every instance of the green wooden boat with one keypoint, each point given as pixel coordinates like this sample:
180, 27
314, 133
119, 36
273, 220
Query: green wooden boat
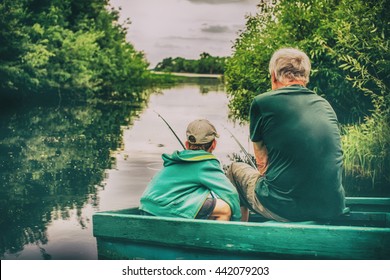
362, 233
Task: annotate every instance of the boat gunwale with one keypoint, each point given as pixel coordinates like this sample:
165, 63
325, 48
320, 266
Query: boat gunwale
266, 224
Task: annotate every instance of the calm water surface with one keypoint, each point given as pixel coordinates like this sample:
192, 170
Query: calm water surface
59, 164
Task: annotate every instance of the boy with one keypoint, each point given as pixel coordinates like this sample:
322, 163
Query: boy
192, 183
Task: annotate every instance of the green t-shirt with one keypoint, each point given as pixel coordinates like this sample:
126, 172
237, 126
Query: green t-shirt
301, 133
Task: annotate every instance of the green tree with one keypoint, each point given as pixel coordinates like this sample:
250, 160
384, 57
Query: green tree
206, 64
165, 65
13, 44
67, 46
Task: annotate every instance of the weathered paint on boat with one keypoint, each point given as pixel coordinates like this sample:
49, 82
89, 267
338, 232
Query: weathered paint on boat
363, 233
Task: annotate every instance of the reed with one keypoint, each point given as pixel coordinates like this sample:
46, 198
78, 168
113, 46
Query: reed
366, 149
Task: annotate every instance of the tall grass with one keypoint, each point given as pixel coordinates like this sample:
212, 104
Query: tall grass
367, 154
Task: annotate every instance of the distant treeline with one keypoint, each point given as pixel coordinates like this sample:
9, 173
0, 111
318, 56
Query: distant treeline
206, 64
52, 46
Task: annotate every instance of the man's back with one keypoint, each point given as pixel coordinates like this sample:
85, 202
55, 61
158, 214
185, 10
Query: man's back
300, 131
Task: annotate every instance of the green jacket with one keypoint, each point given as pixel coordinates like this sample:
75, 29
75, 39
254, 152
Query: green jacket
182, 186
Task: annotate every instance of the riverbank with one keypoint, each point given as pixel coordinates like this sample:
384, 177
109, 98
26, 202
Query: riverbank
191, 75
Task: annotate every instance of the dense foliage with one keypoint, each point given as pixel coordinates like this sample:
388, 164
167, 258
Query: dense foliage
66, 46
348, 44
206, 64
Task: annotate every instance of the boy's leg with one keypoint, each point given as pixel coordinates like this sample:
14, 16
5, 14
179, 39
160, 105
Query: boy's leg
221, 212
244, 213
214, 209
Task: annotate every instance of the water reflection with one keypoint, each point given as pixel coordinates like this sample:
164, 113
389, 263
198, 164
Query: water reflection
206, 85
52, 160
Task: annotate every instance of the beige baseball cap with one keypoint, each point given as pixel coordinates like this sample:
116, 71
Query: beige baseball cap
201, 132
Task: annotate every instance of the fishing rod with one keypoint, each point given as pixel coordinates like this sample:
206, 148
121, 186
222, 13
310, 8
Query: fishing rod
249, 157
181, 143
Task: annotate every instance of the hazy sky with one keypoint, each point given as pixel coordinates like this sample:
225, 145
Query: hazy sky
186, 28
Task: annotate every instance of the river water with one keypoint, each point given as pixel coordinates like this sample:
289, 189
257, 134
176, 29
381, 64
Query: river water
59, 164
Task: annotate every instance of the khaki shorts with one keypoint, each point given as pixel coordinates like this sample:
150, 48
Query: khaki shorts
207, 208
244, 177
